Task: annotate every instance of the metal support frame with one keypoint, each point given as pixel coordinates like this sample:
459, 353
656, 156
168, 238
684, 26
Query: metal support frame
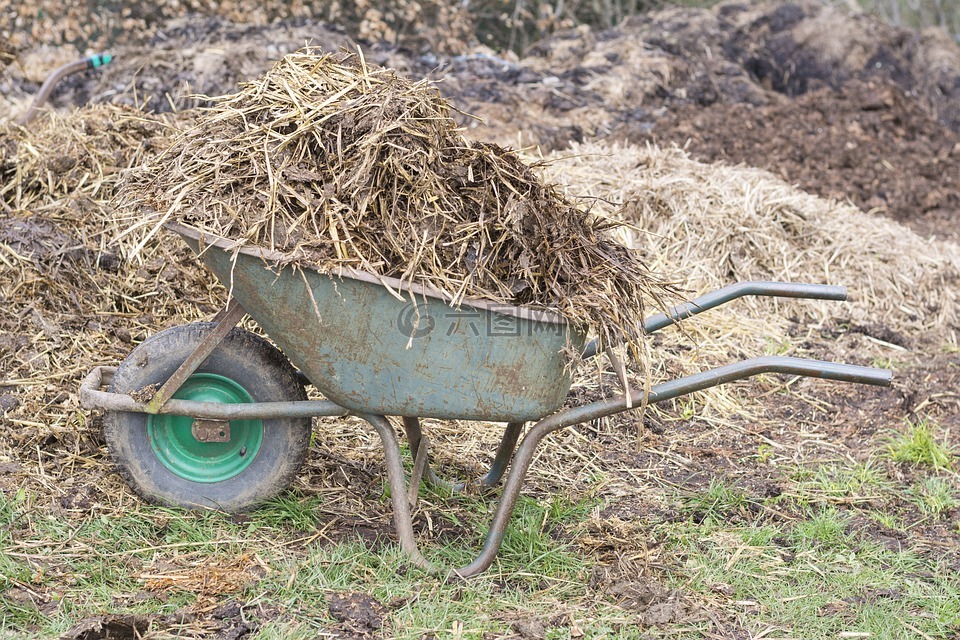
226, 319
403, 495
91, 396
568, 417
508, 443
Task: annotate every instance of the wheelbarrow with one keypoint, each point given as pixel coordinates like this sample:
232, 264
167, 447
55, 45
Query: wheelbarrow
209, 415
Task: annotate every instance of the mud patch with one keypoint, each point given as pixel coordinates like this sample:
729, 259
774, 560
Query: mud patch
110, 627
231, 621
651, 600
359, 615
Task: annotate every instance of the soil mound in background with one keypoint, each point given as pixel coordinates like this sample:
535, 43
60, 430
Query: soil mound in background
420, 26
734, 53
867, 142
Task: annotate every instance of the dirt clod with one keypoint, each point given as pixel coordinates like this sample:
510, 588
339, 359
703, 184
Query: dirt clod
8, 402
655, 603
530, 628
358, 612
110, 627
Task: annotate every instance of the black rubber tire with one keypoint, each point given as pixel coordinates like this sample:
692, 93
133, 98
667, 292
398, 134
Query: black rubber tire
246, 359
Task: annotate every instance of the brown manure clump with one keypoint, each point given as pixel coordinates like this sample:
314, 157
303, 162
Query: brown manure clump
338, 163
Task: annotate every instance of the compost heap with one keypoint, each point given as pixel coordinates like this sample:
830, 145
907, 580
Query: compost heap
739, 223
337, 163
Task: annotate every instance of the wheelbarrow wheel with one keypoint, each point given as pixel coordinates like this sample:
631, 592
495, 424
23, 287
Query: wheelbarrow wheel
167, 460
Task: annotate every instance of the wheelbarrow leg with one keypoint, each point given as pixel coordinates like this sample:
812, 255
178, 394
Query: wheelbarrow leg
586, 413
511, 491
403, 520
415, 437
497, 468
508, 445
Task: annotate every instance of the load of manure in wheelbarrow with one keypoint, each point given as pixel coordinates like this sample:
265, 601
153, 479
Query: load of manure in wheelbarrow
338, 163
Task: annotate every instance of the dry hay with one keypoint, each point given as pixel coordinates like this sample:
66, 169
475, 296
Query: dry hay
338, 164
716, 224
79, 156
201, 577
68, 301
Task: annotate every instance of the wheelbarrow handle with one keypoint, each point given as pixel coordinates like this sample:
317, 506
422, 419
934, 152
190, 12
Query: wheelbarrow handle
728, 293
585, 413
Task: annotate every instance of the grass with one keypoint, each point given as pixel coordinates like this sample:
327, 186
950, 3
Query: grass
481, 606
935, 496
717, 503
806, 561
125, 565
813, 573
919, 446
816, 579
839, 483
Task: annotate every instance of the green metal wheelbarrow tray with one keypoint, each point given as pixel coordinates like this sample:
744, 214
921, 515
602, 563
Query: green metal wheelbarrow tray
210, 415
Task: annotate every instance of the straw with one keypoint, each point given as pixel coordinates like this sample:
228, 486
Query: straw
339, 163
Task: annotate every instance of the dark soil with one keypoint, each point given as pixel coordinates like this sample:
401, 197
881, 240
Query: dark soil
109, 628
866, 142
359, 615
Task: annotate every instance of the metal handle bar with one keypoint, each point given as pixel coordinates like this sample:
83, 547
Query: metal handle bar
593, 411
728, 293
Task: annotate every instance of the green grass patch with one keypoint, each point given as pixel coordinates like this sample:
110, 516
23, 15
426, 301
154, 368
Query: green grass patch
839, 483
935, 496
536, 571
796, 565
919, 446
718, 503
105, 564
816, 578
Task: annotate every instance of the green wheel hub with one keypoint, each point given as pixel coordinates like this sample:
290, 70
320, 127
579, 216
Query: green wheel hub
173, 442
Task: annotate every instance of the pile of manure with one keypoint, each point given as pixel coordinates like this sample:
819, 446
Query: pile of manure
338, 163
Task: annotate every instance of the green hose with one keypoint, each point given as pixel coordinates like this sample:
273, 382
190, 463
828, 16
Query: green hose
92, 62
